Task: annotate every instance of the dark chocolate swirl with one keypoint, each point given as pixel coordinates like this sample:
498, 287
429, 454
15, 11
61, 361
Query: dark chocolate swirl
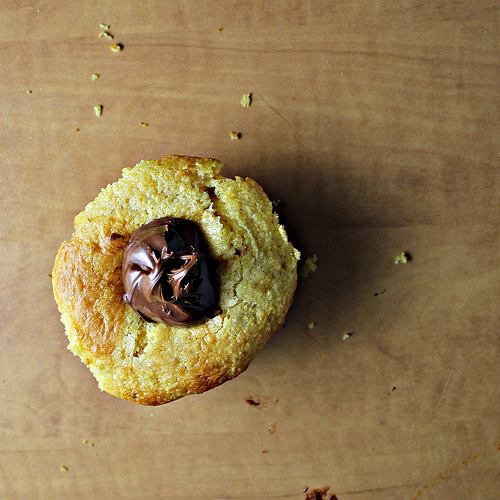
168, 275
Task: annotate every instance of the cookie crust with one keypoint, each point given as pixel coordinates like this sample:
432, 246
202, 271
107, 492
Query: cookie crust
152, 363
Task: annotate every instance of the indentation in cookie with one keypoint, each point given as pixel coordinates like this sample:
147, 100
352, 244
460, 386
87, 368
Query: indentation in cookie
141, 341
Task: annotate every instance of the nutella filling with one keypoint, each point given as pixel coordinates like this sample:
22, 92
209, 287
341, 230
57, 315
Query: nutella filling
168, 275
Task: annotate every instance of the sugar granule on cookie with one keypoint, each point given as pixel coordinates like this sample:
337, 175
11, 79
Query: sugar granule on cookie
174, 279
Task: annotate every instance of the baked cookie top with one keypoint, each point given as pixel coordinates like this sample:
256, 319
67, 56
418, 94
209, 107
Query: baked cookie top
154, 363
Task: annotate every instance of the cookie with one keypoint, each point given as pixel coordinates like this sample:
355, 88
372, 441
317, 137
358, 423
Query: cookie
233, 248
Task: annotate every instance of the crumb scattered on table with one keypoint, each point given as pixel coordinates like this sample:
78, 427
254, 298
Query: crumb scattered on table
401, 259
311, 325
234, 135
144, 124
95, 77
346, 336
252, 402
105, 26
77, 130
106, 34
246, 100
309, 266
29, 92
317, 493
98, 110
116, 47
63, 468
275, 203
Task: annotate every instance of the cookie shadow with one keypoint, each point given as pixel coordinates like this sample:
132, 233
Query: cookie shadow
341, 219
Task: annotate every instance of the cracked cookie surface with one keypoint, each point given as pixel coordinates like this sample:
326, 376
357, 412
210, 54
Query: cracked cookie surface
153, 363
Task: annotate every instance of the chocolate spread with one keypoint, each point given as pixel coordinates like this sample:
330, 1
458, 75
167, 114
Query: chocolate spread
168, 275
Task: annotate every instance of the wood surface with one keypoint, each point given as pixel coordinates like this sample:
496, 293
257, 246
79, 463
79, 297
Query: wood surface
376, 123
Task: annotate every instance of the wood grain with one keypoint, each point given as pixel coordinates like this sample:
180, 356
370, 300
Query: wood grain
377, 126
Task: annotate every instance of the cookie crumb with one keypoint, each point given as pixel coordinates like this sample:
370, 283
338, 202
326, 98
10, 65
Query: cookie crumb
311, 325
104, 26
246, 100
116, 47
347, 335
76, 130
29, 92
84, 441
317, 493
98, 110
401, 259
234, 135
63, 468
309, 266
220, 29
106, 34
252, 402
275, 204
144, 124
95, 77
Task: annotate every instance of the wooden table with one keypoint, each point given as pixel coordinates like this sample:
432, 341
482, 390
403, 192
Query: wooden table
377, 126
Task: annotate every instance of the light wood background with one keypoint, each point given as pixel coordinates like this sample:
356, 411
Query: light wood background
376, 123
